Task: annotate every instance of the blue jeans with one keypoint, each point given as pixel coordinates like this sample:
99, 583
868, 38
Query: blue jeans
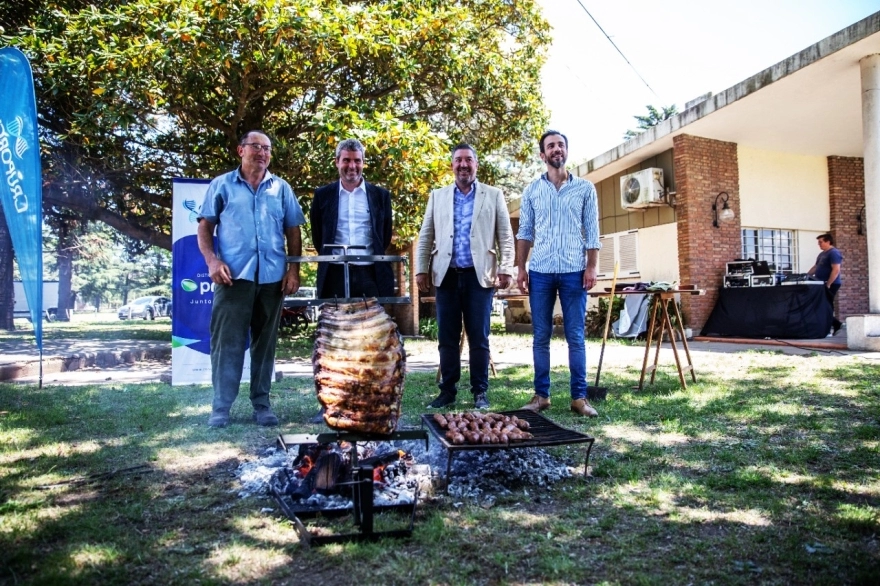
241, 311
460, 297
543, 289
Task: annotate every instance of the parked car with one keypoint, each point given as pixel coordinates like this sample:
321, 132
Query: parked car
146, 308
304, 293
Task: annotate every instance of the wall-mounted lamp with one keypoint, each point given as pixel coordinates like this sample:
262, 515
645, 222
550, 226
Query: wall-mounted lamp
726, 214
861, 220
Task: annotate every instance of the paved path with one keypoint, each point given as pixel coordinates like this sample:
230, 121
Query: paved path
76, 362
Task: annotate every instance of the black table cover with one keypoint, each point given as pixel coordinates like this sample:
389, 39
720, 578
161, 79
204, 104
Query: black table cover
798, 312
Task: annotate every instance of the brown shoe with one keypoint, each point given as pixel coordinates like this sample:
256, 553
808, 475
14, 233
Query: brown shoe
537, 403
583, 408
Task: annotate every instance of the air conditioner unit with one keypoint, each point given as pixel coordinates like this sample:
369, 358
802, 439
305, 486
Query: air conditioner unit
641, 189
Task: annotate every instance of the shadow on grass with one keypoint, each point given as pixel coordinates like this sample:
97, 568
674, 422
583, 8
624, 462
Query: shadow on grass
768, 476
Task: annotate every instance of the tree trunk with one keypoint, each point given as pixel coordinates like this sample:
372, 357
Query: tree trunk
7, 291
65, 272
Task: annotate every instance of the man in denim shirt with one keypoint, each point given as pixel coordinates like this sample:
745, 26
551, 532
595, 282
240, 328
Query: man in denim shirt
255, 214
559, 222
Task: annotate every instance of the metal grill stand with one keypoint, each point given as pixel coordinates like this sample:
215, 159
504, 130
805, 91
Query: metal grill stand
347, 259
545, 433
362, 488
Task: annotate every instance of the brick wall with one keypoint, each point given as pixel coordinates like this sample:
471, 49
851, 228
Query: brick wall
703, 169
846, 194
406, 316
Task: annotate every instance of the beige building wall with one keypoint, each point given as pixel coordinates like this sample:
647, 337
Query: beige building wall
658, 253
657, 257
808, 249
783, 190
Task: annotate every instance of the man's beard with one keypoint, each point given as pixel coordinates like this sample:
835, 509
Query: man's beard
557, 163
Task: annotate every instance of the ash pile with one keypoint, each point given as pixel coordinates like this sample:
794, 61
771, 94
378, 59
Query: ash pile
485, 475
404, 467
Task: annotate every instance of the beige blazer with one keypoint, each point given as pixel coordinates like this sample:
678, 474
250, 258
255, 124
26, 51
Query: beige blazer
491, 235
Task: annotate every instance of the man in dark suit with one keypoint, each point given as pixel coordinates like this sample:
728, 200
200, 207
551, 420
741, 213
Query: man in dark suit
354, 212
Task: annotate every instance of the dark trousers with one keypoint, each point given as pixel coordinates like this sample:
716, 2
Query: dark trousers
244, 309
830, 292
460, 297
361, 281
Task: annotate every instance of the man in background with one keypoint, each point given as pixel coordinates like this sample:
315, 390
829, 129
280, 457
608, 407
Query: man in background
465, 236
255, 213
827, 269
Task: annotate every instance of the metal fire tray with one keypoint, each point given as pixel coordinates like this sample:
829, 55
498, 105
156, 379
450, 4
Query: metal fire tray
545, 432
362, 488
332, 437
363, 513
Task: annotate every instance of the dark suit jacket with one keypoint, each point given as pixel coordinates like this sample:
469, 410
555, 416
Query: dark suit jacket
324, 216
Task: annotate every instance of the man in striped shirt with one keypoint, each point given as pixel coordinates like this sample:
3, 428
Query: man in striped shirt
559, 222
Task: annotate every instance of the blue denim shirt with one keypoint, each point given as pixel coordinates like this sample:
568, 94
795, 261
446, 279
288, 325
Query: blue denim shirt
250, 225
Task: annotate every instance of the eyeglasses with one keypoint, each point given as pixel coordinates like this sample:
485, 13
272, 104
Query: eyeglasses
257, 147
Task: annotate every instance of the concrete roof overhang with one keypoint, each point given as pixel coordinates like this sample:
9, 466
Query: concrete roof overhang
810, 104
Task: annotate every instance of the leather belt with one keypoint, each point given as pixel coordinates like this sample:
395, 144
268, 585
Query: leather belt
463, 269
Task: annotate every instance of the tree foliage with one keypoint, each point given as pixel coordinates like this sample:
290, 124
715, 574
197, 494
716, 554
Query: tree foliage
653, 118
110, 267
132, 95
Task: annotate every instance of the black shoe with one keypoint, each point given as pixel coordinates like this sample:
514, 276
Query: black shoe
443, 400
219, 418
318, 417
836, 328
265, 417
480, 401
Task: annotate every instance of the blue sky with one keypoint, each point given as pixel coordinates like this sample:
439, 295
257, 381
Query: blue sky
682, 49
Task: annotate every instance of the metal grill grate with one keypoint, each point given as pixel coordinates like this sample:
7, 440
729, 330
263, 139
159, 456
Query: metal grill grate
545, 432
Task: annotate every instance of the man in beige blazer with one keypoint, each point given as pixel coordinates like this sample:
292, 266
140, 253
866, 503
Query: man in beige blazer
465, 240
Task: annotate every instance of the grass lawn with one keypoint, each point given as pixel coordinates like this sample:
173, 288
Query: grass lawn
767, 471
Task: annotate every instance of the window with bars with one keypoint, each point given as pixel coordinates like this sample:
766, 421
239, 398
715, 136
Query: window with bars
777, 247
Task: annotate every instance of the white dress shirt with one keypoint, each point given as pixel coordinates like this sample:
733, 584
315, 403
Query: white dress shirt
353, 225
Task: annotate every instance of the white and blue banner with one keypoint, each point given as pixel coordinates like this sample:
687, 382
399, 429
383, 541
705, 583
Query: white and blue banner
193, 293
21, 193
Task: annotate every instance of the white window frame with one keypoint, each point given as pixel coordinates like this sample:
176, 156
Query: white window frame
770, 247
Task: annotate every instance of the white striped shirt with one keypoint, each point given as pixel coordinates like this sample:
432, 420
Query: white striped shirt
562, 225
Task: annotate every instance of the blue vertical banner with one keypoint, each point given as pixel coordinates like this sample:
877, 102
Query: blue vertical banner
21, 189
192, 290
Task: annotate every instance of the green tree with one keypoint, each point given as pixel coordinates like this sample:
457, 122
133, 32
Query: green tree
132, 95
110, 267
653, 118
507, 172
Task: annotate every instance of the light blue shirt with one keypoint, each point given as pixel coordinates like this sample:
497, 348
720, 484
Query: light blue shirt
462, 217
250, 225
562, 225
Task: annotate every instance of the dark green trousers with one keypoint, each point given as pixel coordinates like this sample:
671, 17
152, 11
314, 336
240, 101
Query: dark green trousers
240, 311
